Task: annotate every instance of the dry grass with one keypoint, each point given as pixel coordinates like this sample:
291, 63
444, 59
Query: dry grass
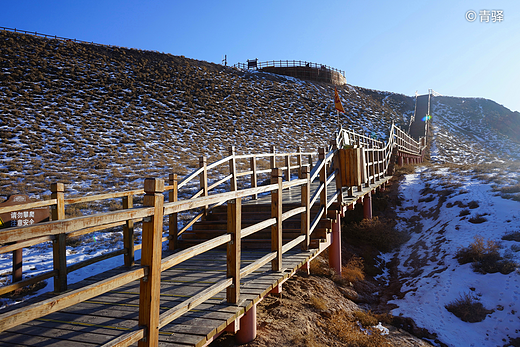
510, 189
512, 236
468, 309
318, 303
478, 219
485, 257
320, 267
308, 340
377, 232
404, 170
343, 325
24, 291
464, 212
353, 271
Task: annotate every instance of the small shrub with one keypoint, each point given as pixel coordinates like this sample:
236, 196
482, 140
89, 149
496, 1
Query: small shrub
477, 250
353, 271
464, 212
318, 303
308, 340
479, 218
74, 241
24, 291
485, 257
512, 236
511, 189
377, 232
495, 263
468, 309
320, 267
473, 204
366, 318
427, 199
343, 326
404, 170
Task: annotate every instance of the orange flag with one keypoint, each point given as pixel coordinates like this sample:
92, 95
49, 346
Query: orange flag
337, 101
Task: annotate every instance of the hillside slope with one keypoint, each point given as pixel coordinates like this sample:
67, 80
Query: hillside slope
474, 130
98, 117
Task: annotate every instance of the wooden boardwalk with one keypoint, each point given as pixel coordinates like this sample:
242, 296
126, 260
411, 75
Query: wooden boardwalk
188, 297
105, 317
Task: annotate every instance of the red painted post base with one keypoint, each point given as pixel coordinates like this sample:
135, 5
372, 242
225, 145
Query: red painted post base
335, 247
247, 332
306, 267
367, 206
277, 290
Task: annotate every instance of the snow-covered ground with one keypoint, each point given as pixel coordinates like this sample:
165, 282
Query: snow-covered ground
432, 278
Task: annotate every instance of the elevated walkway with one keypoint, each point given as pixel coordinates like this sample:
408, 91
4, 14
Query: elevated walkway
188, 295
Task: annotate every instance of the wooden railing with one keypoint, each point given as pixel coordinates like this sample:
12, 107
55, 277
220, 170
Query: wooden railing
44, 35
152, 212
257, 167
326, 171
286, 63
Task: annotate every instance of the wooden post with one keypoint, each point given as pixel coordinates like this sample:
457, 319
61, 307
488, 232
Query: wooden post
233, 169
373, 166
254, 179
203, 177
367, 169
288, 168
128, 232
150, 287
173, 228
322, 152
59, 250
17, 265
234, 228
299, 161
306, 202
276, 212
273, 157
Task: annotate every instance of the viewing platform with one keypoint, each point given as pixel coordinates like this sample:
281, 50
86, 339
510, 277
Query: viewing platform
299, 69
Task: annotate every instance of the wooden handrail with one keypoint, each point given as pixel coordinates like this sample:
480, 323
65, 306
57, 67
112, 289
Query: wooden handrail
106, 196
25, 314
28, 206
14, 234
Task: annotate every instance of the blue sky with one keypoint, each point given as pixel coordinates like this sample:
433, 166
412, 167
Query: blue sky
398, 46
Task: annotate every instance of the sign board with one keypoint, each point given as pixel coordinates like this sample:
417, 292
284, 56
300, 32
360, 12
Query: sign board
23, 217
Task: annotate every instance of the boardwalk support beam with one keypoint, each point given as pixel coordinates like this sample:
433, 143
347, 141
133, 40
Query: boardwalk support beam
233, 249
335, 247
276, 212
367, 206
247, 332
